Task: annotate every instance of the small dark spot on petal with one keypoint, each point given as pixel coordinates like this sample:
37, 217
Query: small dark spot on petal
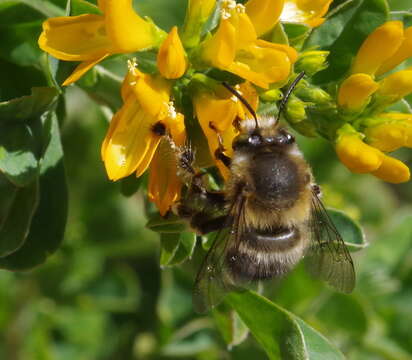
159, 129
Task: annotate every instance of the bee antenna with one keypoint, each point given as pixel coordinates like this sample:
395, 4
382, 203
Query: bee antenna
243, 101
287, 95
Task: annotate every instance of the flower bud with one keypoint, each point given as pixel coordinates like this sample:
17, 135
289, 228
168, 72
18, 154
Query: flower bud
171, 59
314, 94
396, 86
355, 92
392, 170
312, 62
295, 109
272, 95
357, 156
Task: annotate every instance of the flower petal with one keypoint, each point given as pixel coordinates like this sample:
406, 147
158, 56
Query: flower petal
396, 85
388, 136
164, 184
127, 30
392, 170
264, 14
309, 12
404, 52
378, 47
75, 38
128, 140
355, 91
81, 69
171, 58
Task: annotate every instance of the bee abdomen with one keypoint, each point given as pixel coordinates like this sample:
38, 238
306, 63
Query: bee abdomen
262, 255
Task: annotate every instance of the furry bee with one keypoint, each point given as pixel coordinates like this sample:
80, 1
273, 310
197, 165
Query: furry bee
268, 217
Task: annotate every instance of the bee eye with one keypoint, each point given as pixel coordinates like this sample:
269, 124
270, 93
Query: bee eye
284, 138
289, 138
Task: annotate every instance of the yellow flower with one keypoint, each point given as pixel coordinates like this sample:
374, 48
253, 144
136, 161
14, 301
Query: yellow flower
378, 47
235, 48
355, 91
137, 128
216, 113
309, 12
197, 13
396, 85
403, 52
91, 38
363, 158
164, 183
390, 131
264, 14
171, 58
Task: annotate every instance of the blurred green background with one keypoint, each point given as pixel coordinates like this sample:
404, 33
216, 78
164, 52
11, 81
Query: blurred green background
103, 295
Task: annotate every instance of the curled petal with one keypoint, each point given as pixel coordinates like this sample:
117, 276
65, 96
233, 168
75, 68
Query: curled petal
264, 14
82, 69
392, 170
404, 52
129, 140
355, 91
75, 38
378, 47
127, 30
171, 58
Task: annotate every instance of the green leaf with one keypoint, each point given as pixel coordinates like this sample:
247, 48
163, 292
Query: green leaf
343, 33
17, 219
297, 33
48, 224
169, 224
79, 7
130, 185
28, 107
281, 334
176, 248
230, 325
350, 230
17, 154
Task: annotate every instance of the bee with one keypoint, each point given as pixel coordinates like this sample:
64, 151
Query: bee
268, 217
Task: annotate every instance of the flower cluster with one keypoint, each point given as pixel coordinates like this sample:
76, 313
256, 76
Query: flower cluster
154, 121
364, 95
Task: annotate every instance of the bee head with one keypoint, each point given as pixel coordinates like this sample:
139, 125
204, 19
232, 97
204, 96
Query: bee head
255, 140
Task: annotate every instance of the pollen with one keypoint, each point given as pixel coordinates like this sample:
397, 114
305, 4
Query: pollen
228, 6
132, 66
171, 110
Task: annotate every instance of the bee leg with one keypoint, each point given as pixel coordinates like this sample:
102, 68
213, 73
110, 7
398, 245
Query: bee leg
220, 151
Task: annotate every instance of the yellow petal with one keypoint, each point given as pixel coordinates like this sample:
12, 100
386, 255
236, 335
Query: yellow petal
75, 38
171, 58
220, 49
101, 4
392, 170
244, 30
387, 136
404, 52
176, 126
153, 92
127, 30
264, 14
355, 154
128, 140
82, 69
309, 12
396, 85
153, 142
164, 184
197, 13
378, 47
355, 91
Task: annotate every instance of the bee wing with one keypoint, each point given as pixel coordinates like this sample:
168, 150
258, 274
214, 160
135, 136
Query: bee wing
214, 280
328, 257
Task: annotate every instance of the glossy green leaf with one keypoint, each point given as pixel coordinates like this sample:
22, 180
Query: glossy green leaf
130, 185
17, 154
28, 107
16, 222
281, 334
169, 243
350, 230
176, 248
343, 33
48, 224
297, 33
169, 224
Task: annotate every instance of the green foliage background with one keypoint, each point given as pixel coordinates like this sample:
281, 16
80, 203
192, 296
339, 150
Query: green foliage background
102, 294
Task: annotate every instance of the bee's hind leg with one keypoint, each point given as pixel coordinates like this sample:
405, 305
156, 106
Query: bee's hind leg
220, 151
